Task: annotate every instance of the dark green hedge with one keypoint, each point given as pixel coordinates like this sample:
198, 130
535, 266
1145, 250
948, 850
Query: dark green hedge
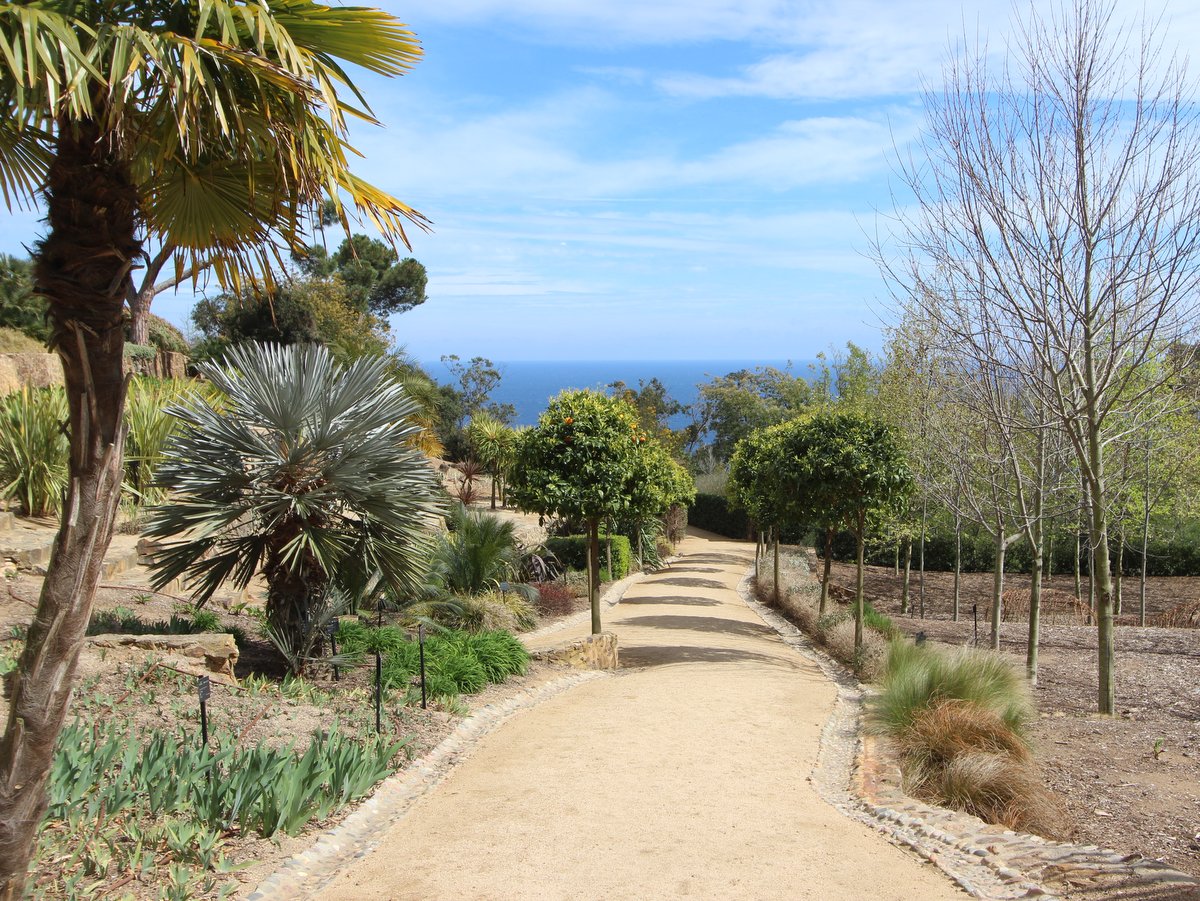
1176, 554
712, 513
571, 550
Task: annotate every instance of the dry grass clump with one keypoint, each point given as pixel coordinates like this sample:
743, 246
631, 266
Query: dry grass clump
958, 721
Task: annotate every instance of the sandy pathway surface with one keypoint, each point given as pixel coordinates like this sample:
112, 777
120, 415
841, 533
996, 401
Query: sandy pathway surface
686, 775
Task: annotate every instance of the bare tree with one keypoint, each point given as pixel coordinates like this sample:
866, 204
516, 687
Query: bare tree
1060, 195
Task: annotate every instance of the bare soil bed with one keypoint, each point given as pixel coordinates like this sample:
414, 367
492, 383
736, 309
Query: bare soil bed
1130, 782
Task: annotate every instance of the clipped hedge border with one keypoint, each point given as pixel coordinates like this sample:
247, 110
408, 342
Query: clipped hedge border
571, 550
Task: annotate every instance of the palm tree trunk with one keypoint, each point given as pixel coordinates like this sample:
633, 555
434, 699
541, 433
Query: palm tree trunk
82, 268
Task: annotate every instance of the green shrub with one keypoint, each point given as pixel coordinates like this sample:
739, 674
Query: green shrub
456, 661
456, 664
33, 449
882, 624
571, 550
150, 428
500, 654
162, 335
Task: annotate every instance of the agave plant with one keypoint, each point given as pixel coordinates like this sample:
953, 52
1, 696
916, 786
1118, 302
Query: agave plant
306, 472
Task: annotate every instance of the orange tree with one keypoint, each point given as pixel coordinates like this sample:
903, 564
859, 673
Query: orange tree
580, 462
847, 467
217, 127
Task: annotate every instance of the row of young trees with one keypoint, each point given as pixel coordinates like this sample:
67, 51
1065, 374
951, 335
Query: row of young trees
825, 472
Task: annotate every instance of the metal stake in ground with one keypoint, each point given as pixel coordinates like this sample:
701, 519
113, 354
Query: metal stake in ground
421, 645
333, 627
378, 693
204, 691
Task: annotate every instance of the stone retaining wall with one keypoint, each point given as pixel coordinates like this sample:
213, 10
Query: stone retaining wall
593, 652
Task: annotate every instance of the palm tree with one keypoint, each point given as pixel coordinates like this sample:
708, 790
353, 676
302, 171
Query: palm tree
478, 552
214, 126
495, 445
304, 469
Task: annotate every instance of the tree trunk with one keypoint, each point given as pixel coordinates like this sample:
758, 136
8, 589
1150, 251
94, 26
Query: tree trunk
1119, 573
825, 576
859, 553
998, 587
1079, 552
907, 575
139, 316
1142, 578
957, 564
924, 522
758, 548
1145, 541
82, 268
608, 547
896, 559
493, 480
594, 572
776, 574
1035, 612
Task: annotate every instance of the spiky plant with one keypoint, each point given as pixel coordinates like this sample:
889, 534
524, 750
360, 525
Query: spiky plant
479, 551
305, 472
33, 449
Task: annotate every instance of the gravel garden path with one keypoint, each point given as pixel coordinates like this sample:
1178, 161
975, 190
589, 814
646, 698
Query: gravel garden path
686, 774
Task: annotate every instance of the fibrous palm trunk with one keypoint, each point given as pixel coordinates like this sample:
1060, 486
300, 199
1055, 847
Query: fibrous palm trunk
82, 267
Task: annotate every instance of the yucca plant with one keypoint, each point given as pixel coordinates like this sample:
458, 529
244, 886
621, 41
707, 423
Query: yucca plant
150, 427
495, 445
33, 449
307, 473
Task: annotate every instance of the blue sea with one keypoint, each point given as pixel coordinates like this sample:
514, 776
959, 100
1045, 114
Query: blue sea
529, 384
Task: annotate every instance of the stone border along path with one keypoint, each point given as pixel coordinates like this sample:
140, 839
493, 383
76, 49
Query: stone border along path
988, 861
307, 872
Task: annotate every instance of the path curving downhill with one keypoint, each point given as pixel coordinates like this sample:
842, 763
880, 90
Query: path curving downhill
686, 775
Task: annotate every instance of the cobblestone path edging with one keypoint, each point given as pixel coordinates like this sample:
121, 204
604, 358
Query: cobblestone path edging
988, 861
356, 836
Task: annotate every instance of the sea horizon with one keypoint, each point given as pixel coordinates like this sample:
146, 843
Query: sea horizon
529, 384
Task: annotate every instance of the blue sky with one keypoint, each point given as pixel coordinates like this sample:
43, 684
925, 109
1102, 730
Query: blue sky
651, 179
